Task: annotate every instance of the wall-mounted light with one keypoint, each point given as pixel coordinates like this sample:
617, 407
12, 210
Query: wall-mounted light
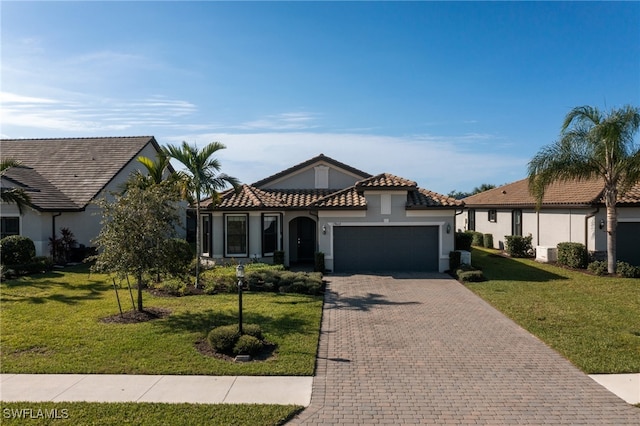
324, 229
448, 228
601, 224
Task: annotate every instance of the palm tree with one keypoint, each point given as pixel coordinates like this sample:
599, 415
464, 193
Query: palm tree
156, 174
592, 145
13, 195
203, 179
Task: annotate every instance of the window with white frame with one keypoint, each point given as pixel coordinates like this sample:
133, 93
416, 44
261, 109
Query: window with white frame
493, 216
270, 234
236, 227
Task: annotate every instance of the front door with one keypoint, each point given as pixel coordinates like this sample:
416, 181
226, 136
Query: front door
303, 233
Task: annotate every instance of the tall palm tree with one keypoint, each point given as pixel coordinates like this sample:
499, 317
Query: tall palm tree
13, 195
156, 174
203, 179
592, 145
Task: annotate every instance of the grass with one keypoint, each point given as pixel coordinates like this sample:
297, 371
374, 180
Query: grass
593, 321
74, 413
51, 324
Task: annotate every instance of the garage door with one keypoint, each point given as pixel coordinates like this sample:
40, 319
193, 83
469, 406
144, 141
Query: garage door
627, 238
385, 248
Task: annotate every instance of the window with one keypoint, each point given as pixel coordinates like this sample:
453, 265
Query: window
493, 216
516, 222
236, 235
270, 234
206, 234
10, 226
471, 216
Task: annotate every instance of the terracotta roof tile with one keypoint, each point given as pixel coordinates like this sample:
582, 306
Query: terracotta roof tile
570, 193
251, 197
422, 198
346, 198
386, 181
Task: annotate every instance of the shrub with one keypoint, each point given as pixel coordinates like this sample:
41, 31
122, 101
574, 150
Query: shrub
467, 273
253, 330
319, 262
519, 246
627, 270
278, 257
598, 267
463, 241
573, 255
224, 338
178, 256
454, 260
247, 345
487, 240
16, 250
477, 238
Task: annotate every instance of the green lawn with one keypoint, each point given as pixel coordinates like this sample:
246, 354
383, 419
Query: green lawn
593, 321
144, 414
51, 324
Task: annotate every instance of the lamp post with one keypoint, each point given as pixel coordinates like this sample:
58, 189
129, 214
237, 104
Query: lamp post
240, 276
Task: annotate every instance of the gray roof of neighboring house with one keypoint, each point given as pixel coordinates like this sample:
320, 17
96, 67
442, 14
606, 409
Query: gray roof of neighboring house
68, 173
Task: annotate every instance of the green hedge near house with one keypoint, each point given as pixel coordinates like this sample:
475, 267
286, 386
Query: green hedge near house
573, 255
519, 246
487, 240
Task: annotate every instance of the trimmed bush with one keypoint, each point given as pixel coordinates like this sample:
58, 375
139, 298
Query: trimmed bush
627, 270
487, 240
519, 246
16, 250
598, 267
573, 255
467, 273
253, 330
463, 241
247, 345
477, 238
454, 260
223, 339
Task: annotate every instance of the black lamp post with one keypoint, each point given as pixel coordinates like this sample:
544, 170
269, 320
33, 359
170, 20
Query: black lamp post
240, 276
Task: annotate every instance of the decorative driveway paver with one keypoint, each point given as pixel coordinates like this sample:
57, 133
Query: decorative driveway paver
423, 349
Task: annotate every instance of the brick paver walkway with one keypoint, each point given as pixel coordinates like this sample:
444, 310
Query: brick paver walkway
425, 350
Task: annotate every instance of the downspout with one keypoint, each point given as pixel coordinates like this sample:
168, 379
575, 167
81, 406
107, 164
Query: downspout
53, 234
586, 229
454, 218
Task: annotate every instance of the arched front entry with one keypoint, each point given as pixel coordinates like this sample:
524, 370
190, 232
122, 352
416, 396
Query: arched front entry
302, 240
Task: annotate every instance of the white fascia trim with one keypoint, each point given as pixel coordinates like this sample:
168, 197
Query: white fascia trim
341, 213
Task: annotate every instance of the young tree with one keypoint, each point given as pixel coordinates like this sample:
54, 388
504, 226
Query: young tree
203, 179
136, 228
13, 195
592, 145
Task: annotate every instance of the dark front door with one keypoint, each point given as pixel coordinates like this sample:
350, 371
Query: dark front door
303, 241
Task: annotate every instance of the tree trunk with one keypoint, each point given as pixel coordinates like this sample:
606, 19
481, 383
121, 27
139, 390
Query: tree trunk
198, 240
140, 309
612, 224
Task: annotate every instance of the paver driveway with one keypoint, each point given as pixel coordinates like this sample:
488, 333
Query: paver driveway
425, 350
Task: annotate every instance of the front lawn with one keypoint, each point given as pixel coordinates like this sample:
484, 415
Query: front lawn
593, 321
149, 414
51, 323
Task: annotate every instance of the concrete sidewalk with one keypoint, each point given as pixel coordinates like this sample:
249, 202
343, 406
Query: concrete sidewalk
625, 386
169, 389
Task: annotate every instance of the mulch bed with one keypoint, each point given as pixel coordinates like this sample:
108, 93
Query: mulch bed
205, 349
134, 317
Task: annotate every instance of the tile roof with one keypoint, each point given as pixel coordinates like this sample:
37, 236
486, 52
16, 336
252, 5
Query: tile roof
79, 168
346, 198
304, 164
386, 181
249, 197
41, 192
559, 194
423, 198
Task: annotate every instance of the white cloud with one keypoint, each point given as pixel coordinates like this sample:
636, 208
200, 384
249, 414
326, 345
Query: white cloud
283, 121
437, 163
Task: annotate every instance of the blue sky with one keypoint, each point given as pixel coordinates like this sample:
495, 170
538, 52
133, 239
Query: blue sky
451, 95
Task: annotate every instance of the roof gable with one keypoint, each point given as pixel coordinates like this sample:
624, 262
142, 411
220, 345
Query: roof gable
276, 180
79, 168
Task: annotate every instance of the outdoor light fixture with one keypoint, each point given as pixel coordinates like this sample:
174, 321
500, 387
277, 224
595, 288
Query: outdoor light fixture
601, 223
324, 229
240, 276
448, 228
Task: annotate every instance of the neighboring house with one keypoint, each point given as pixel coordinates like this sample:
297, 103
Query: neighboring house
571, 212
64, 177
359, 221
